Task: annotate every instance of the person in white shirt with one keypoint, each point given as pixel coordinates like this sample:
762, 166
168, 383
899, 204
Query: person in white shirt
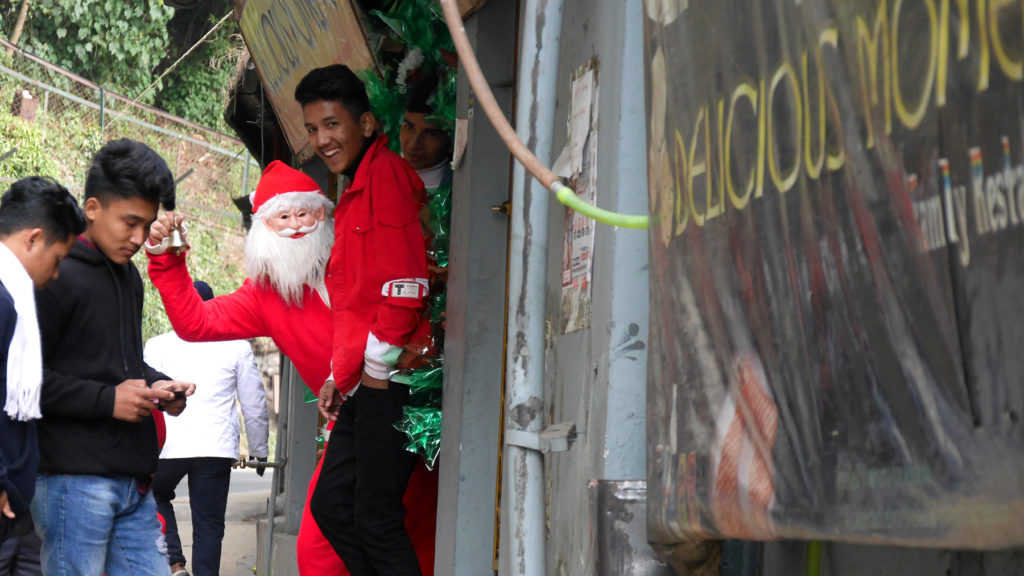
203, 444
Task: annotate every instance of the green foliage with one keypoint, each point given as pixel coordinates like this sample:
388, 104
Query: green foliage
115, 43
37, 142
198, 88
31, 157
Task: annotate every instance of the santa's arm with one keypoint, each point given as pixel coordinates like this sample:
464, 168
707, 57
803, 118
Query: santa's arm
234, 316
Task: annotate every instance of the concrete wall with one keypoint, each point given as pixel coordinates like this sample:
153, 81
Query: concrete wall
596, 377
474, 337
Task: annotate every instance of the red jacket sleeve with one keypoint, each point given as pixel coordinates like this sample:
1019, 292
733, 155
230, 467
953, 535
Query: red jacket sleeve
395, 251
234, 316
403, 272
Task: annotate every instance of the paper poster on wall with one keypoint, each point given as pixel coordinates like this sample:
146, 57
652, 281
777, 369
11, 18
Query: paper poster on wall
578, 240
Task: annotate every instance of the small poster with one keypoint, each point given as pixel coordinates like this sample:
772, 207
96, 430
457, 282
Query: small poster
578, 241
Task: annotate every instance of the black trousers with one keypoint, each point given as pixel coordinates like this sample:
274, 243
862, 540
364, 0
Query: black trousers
208, 483
19, 556
357, 502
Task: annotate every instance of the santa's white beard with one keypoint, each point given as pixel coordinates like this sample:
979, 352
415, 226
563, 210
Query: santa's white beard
288, 264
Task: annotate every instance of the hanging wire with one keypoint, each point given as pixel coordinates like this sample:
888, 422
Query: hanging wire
171, 67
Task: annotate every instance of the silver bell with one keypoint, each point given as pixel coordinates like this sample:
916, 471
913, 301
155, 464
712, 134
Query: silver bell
177, 241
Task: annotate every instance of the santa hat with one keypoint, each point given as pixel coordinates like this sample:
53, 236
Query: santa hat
282, 187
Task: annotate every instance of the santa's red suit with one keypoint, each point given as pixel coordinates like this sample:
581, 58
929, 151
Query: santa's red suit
303, 333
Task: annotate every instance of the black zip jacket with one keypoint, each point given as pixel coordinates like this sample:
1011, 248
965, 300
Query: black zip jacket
90, 319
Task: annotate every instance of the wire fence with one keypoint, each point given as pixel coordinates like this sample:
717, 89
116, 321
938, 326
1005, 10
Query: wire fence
52, 122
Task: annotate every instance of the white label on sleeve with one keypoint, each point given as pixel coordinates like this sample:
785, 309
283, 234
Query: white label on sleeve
414, 288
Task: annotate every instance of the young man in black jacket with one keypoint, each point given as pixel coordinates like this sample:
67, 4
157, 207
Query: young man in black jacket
38, 223
93, 508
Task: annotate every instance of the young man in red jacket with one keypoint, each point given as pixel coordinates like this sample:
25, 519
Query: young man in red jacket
376, 281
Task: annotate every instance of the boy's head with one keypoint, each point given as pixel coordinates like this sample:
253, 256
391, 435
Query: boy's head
336, 111
424, 144
39, 221
126, 185
204, 290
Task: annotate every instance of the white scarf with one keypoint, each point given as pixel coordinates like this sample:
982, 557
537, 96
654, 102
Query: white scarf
25, 355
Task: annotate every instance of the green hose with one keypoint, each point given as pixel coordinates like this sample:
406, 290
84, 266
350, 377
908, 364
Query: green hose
814, 558
569, 197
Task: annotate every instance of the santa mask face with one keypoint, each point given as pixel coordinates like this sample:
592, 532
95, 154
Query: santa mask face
289, 248
295, 222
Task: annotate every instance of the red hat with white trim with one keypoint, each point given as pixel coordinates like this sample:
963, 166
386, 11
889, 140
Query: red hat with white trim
282, 187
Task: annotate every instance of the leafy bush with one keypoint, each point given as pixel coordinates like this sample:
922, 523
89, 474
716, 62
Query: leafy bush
115, 43
31, 156
197, 89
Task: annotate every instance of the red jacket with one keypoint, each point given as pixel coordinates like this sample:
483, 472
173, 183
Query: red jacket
376, 278
301, 332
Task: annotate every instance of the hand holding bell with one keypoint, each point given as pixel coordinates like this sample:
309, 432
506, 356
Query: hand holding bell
177, 242
168, 232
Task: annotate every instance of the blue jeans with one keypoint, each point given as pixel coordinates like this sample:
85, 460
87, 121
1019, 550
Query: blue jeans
208, 483
92, 525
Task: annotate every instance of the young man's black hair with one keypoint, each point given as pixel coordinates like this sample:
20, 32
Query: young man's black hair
418, 92
129, 169
334, 83
37, 202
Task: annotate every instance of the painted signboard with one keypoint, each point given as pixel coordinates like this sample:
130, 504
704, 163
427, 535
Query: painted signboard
837, 264
288, 39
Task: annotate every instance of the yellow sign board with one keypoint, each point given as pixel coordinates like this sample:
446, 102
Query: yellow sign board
288, 38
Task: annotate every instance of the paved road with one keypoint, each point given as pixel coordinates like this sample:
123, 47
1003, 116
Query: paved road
247, 503
242, 481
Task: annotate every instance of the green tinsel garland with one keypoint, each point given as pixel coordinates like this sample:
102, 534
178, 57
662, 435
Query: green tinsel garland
422, 425
387, 104
439, 204
421, 421
419, 26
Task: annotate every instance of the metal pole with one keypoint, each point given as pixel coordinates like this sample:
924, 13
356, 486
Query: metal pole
245, 175
275, 484
103, 120
523, 553
46, 115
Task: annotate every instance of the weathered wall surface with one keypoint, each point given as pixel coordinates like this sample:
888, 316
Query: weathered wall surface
595, 376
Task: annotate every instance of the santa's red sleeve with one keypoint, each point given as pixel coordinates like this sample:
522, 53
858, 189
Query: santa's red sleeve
235, 316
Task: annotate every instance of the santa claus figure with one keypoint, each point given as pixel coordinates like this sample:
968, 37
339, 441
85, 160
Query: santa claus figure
283, 297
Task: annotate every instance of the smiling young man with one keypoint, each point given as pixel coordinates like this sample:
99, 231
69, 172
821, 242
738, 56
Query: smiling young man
38, 223
98, 442
376, 280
